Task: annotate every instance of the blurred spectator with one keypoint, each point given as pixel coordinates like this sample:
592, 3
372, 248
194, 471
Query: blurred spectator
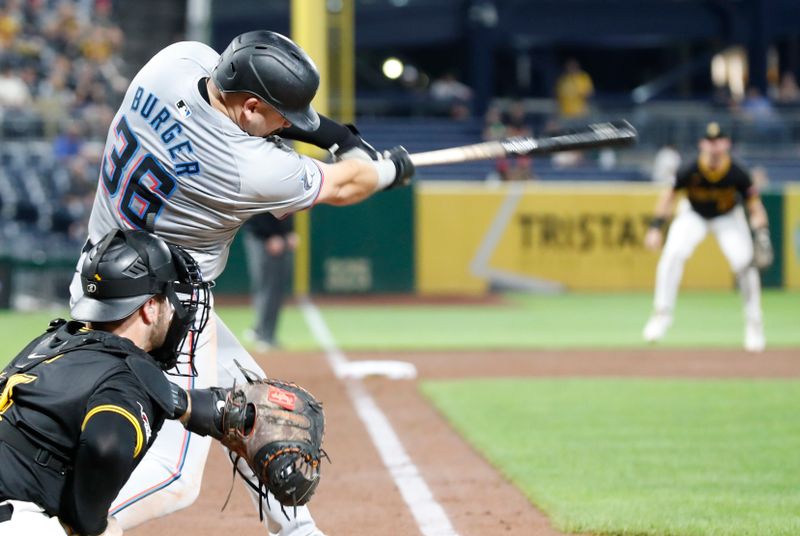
562, 159
493, 126
14, 92
788, 90
10, 24
665, 165
760, 113
573, 89
514, 123
756, 107
495, 129
452, 96
69, 142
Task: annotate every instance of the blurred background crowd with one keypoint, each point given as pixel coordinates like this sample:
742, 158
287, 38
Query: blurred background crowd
60, 82
470, 70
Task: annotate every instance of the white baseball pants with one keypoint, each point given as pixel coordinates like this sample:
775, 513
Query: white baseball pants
688, 229
29, 518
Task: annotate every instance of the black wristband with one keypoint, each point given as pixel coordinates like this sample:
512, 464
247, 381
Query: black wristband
403, 166
657, 222
206, 416
180, 401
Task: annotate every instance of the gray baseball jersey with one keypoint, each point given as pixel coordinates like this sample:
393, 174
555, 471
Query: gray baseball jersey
173, 161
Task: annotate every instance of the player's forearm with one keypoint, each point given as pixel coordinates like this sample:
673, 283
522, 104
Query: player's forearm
351, 181
757, 213
664, 205
199, 410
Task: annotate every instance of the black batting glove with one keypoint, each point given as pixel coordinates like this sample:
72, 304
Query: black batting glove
353, 147
404, 167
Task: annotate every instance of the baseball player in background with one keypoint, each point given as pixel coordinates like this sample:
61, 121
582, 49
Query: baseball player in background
716, 186
81, 404
192, 155
269, 244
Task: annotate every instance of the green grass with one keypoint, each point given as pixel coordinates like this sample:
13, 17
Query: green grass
703, 319
648, 457
17, 329
707, 319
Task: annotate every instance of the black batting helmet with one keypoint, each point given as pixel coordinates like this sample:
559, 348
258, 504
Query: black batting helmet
127, 268
273, 68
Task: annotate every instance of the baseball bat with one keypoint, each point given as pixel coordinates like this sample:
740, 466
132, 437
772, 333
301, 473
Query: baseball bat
611, 134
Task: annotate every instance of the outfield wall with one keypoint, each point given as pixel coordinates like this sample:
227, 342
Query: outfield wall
791, 237
573, 236
465, 238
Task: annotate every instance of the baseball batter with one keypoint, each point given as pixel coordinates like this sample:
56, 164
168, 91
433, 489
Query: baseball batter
191, 154
716, 186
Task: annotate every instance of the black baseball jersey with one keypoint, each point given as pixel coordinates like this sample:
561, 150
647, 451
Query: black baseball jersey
69, 391
714, 192
266, 225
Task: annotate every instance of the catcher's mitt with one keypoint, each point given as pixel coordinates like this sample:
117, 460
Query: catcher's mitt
763, 254
277, 428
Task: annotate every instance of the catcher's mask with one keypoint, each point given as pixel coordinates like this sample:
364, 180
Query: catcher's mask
127, 268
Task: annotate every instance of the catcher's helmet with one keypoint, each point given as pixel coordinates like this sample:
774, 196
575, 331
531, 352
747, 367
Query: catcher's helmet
273, 68
125, 269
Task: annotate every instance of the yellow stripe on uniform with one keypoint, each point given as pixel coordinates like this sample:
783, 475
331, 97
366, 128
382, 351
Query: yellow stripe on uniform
59, 356
5, 396
125, 413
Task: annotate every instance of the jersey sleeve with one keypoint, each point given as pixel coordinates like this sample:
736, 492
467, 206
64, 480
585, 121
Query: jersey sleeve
278, 179
115, 433
123, 395
745, 184
682, 176
103, 463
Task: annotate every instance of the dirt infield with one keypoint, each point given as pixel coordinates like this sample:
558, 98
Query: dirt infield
357, 496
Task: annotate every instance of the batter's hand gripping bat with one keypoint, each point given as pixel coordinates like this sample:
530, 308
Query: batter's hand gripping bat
612, 134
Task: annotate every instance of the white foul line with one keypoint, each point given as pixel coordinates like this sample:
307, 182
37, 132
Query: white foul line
429, 514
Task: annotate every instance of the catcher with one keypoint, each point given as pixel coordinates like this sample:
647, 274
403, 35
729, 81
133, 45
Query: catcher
82, 403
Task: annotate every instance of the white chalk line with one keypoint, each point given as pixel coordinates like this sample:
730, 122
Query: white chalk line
429, 515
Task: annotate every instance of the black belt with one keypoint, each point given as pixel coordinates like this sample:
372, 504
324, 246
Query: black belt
16, 439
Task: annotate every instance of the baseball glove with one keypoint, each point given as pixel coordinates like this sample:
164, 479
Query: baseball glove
277, 428
763, 254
